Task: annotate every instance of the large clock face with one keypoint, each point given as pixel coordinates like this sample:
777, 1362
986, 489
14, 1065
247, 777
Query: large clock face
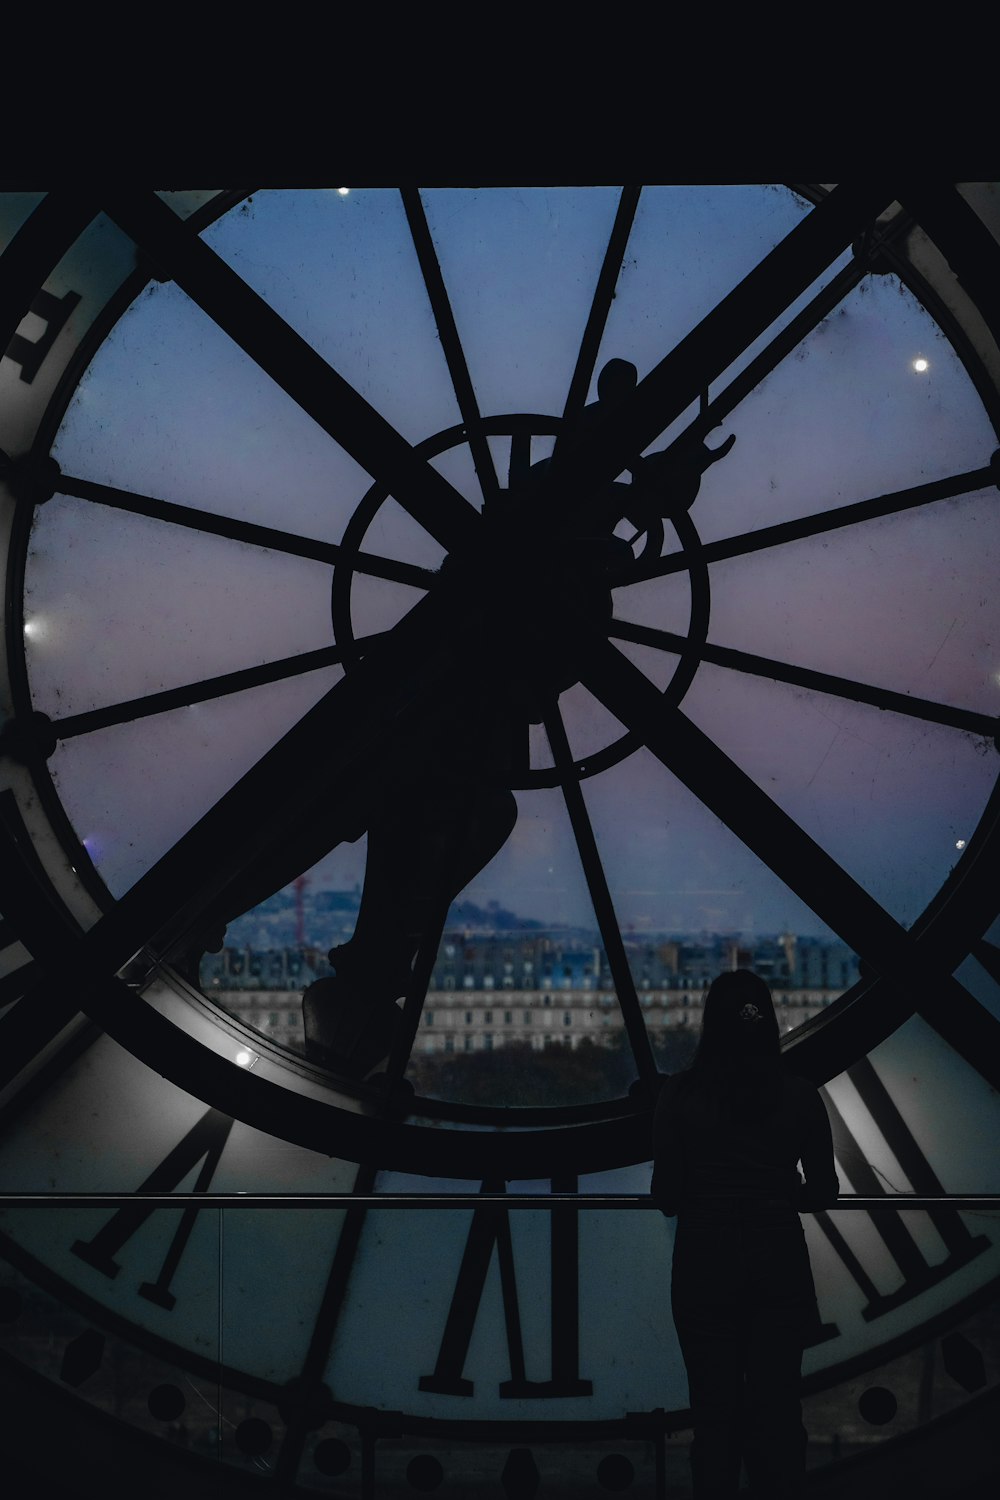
667, 516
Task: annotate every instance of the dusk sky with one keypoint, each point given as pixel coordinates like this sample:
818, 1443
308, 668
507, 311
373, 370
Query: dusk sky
873, 400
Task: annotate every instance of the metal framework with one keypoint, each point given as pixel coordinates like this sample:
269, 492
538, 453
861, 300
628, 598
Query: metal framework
396, 683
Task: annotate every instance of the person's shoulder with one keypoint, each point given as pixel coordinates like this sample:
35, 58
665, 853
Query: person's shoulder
802, 1091
799, 1083
671, 1085
672, 1082
666, 1085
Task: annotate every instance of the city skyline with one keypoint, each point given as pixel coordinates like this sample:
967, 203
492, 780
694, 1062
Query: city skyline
328, 913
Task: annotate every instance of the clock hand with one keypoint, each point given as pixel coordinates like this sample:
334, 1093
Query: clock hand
310, 381
584, 463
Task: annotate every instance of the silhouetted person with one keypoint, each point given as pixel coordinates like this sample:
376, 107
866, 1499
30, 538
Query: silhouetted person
728, 1136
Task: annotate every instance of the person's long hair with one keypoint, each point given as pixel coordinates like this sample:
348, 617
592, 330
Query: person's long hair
737, 1064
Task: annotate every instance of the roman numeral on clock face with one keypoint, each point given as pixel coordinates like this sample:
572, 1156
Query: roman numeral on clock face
917, 1271
489, 1230
204, 1143
54, 313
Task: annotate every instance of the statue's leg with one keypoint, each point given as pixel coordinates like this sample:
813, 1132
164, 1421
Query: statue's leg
421, 854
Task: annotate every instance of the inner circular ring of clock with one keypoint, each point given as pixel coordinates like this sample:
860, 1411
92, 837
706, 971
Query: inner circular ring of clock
564, 592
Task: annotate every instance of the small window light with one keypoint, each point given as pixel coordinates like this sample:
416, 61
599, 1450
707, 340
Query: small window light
921, 365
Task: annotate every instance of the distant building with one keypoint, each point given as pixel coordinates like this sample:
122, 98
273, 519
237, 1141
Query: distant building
491, 988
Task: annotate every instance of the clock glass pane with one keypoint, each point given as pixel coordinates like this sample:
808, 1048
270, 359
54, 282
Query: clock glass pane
453, 307
725, 696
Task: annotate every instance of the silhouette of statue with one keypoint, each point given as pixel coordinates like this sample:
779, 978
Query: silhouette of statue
431, 836
728, 1136
453, 809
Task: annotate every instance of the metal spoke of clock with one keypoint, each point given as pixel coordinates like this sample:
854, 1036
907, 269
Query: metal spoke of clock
821, 682
600, 896
721, 337
966, 1025
244, 531
777, 840
303, 374
820, 523
797, 329
280, 792
451, 344
988, 955
27, 1032
601, 305
520, 458
956, 1014
200, 692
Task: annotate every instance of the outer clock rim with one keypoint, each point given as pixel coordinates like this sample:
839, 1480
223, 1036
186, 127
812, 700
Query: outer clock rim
807, 1040
597, 1142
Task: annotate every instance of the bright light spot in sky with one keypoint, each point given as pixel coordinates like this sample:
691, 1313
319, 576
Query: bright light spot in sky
921, 364
32, 629
959, 843
244, 1059
343, 192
